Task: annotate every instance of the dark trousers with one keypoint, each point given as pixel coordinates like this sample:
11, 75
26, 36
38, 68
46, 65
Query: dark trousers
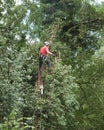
44, 59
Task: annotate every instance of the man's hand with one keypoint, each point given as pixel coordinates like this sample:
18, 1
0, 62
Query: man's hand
53, 55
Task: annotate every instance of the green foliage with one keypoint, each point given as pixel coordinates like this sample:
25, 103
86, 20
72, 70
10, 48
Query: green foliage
14, 123
91, 83
73, 93
59, 101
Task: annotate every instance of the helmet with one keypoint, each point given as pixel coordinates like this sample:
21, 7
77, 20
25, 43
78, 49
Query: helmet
46, 43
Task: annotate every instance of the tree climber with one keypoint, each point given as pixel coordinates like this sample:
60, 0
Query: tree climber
43, 56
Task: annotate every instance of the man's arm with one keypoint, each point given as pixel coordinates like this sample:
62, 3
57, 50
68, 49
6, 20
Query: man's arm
48, 52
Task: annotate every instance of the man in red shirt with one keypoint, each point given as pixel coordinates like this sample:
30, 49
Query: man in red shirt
44, 51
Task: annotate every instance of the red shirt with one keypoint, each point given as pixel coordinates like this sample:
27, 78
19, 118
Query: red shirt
43, 50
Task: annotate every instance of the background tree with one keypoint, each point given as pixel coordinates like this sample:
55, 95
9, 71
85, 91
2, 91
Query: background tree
73, 94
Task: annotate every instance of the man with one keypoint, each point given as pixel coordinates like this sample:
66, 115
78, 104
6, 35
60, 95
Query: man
44, 51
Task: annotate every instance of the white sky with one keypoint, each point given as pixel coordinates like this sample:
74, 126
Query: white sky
99, 1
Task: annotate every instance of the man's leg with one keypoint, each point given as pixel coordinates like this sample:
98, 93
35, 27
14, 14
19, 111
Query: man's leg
40, 62
48, 62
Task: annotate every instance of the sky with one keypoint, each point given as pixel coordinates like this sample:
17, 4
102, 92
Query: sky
99, 1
